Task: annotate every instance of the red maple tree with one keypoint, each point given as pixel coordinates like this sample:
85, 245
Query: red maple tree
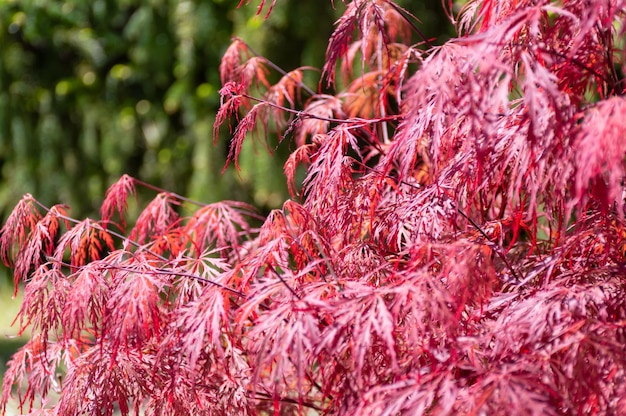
457, 246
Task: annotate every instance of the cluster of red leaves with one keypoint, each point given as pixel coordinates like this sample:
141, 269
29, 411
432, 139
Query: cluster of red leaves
458, 245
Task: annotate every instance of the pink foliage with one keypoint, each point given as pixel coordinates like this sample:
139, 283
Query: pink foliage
457, 245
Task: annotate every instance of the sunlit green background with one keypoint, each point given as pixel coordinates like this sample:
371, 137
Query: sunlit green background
90, 90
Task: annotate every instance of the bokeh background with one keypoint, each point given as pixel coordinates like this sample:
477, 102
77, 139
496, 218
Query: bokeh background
91, 90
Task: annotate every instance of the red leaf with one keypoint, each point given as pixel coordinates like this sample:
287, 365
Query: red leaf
17, 228
230, 66
230, 102
41, 243
298, 157
86, 242
220, 225
116, 199
155, 219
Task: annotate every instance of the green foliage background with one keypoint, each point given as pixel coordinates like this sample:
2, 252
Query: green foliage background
90, 90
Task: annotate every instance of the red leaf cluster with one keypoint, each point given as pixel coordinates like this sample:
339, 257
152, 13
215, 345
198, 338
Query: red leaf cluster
457, 245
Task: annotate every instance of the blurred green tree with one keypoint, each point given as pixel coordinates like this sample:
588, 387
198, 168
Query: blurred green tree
92, 90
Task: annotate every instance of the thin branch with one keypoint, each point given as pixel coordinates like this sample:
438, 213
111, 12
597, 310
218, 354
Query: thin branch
99, 227
141, 247
188, 200
304, 114
156, 271
175, 195
305, 403
282, 71
296, 239
577, 63
496, 248
405, 14
293, 292
383, 127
